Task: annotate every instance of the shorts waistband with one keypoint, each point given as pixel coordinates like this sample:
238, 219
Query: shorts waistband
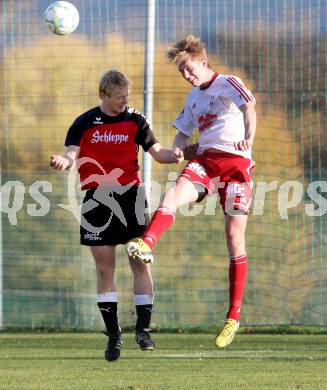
220, 154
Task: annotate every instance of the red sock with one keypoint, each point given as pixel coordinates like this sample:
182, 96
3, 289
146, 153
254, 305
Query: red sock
161, 221
237, 279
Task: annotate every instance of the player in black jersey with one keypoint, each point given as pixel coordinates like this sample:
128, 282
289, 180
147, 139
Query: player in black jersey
103, 143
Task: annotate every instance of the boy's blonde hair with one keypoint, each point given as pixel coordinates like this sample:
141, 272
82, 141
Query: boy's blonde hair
111, 79
189, 48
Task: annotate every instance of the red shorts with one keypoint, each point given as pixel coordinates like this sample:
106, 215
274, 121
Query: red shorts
225, 173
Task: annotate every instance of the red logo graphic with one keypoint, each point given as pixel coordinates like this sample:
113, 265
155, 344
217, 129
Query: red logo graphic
206, 120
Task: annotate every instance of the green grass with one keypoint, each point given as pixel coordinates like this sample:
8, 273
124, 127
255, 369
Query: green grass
181, 361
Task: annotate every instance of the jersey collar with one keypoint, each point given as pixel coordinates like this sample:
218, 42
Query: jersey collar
208, 83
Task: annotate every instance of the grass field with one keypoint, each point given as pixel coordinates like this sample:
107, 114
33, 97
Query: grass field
181, 361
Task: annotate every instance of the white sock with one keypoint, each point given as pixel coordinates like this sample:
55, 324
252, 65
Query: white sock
108, 297
143, 299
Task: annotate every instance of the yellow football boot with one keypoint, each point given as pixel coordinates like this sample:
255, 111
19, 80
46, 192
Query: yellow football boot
137, 249
227, 334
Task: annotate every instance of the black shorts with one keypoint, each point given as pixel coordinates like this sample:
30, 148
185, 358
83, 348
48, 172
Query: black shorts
113, 217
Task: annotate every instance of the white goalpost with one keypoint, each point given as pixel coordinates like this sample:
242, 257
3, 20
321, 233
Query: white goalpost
1, 260
148, 89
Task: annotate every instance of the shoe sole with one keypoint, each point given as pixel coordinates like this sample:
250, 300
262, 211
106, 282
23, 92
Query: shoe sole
147, 349
112, 361
135, 254
223, 346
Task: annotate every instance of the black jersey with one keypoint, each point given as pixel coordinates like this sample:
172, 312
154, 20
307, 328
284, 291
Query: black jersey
109, 142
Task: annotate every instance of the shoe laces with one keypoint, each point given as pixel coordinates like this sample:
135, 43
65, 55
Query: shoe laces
142, 245
228, 329
114, 340
144, 334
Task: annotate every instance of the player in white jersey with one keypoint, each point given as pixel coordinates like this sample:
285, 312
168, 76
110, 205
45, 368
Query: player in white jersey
214, 110
222, 109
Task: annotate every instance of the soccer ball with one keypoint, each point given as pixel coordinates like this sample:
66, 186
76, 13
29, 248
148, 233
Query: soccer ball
61, 17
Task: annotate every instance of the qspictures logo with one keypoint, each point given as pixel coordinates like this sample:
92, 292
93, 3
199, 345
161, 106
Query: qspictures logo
287, 195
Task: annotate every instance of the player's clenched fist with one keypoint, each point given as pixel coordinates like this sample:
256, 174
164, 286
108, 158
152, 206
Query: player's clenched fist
59, 162
243, 145
177, 155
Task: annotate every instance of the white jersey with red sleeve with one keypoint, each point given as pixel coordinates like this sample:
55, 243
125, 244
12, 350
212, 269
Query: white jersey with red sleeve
214, 110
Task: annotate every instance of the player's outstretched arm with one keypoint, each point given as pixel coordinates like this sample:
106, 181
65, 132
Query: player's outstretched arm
181, 141
67, 161
250, 123
166, 156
